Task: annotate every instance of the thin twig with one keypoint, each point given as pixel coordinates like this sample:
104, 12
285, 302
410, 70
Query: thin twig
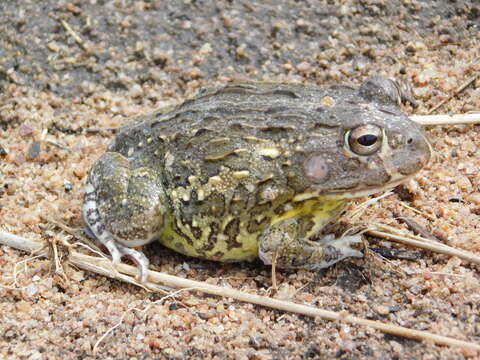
288, 306
16, 272
424, 214
60, 146
101, 266
428, 245
76, 37
416, 227
362, 207
20, 243
458, 119
401, 232
392, 267
74, 233
103, 129
67, 27
434, 273
457, 91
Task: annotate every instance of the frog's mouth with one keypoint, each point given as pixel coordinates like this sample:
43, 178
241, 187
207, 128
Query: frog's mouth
352, 193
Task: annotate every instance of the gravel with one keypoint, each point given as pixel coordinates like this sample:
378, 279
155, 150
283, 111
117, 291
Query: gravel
68, 66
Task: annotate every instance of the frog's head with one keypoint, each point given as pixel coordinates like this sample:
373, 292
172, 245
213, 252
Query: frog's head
364, 144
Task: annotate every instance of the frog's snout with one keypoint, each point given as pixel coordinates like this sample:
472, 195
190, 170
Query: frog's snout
415, 155
423, 159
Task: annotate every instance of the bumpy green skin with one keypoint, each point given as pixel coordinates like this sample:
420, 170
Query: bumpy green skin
228, 171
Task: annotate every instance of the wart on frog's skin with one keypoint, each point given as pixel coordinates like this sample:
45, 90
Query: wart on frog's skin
248, 170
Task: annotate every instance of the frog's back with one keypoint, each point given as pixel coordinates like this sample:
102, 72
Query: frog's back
226, 126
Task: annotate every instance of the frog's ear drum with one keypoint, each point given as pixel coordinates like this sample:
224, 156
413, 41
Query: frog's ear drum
316, 168
364, 140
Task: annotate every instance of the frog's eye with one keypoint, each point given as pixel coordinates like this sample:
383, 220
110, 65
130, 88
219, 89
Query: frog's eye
365, 139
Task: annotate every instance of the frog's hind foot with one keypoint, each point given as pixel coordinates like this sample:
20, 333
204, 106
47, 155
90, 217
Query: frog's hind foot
338, 249
290, 250
97, 230
124, 207
118, 251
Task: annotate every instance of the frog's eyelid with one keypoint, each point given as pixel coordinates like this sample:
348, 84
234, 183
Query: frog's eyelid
364, 130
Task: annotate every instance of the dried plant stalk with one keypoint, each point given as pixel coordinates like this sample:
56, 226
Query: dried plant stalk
177, 282
425, 120
428, 244
20, 243
103, 267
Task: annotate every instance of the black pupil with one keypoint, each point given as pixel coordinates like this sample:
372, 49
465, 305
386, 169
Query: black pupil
367, 140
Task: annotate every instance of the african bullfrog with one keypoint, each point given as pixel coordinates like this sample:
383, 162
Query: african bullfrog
251, 170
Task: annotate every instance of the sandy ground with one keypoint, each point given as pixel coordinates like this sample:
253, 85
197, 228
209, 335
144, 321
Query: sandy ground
68, 66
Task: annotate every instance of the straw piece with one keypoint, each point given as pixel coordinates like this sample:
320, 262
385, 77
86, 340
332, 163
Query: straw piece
458, 119
103, 266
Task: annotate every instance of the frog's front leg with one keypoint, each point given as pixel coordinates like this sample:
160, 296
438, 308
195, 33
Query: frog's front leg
124, 207
287, 241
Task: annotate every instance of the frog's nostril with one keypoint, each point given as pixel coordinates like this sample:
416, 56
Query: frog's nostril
409, 141
423, 160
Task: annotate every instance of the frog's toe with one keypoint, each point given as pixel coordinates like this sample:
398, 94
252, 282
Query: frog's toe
114, 251
138, 257
326, 239
346, 246
117, 251
335, 250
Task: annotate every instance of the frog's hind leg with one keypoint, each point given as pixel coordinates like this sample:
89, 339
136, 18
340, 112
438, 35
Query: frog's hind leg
292, 249
123, 208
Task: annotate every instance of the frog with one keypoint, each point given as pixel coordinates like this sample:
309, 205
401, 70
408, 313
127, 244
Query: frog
252, 170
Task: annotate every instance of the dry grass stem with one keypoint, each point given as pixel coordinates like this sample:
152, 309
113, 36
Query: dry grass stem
75, 36
60, 146
56, 258
434, 273
21, 243
403, 232
102, 266
87, 242
355, 213
458, 119
390, 265
416, 227
428, 245
428, 216
14, 285
102, 129
288, 306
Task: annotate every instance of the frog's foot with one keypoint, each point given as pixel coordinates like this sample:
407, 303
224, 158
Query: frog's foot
123, 207
339, 249
284, 243
327, 238
117, 251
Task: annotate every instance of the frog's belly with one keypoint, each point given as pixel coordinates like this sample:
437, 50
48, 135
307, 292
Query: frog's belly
216, 244
217, 247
